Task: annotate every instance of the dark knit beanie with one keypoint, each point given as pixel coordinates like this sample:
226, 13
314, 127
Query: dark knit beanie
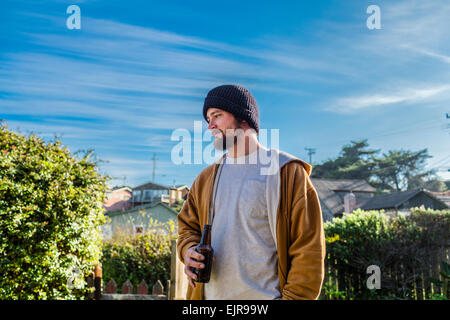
236, 100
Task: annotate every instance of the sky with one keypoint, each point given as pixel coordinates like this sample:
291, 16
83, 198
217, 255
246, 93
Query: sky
137, 71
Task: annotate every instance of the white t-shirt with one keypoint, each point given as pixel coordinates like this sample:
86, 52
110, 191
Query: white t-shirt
244, 248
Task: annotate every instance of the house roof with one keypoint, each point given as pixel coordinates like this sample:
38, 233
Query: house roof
443, 196
332, 203
115, 189
119, 190
355, 185
144, 206
179, 187
394, 200
151, 186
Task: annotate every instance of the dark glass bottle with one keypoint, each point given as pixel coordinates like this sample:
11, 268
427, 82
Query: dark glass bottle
205, 249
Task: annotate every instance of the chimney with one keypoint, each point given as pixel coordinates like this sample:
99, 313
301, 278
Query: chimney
349, 202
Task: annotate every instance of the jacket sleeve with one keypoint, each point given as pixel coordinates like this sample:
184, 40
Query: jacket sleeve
189, 231
306, 245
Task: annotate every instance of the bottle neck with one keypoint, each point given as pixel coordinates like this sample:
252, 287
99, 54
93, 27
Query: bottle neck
206, 235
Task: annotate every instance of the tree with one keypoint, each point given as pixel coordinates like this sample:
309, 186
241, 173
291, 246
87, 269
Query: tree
50, 217
393, 171
396, 168
447, 184
354, 162
435, 185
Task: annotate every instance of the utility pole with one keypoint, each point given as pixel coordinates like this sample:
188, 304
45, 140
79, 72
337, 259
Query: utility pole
447, 116
154, 167
311, 151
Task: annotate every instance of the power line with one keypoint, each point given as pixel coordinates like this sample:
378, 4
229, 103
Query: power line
406, 129
440, 162
123, 178
154, 167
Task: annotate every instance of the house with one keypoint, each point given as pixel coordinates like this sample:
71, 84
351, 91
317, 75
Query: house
177, 193
130, 210
443, 196
399, 203
341, 195
118, 199
137, 220
148, 193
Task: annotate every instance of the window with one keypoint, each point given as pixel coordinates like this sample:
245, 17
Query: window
137, 195
147, 195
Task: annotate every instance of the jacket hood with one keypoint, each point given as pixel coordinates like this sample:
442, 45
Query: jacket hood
287, 157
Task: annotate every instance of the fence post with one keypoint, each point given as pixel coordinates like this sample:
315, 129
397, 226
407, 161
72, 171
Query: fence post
98, 282
111, 287
173, 270
179, 281
142, 288
127, 287
168, 289
158, 288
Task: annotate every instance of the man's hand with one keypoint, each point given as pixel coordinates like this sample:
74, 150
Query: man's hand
189, 262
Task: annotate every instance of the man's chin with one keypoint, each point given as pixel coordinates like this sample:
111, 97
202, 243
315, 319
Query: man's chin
224, 143
219, 144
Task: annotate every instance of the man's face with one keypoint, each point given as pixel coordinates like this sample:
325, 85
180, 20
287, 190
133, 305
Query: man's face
222, 125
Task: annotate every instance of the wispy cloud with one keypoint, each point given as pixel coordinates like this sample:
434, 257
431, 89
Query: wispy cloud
124, 88
347, 105
430, 53
393, 71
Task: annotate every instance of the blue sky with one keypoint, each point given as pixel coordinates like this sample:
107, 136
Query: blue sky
138, 70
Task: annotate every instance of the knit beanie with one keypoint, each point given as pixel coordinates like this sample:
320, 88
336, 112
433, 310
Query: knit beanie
236, 100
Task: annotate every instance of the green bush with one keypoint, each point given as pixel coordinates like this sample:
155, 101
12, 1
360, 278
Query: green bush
406, 249
143, 257
50, 216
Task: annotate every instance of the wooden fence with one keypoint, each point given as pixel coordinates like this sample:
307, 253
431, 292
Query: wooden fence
141, 292
176, 287
349, 284
394, 278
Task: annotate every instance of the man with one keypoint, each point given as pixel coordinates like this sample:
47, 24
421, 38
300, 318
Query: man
267, 231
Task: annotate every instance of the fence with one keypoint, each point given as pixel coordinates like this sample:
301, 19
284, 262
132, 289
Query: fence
128, 292
349, 284
176, 287
397, 279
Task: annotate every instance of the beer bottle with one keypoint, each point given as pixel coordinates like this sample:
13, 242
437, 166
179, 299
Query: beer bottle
205, 249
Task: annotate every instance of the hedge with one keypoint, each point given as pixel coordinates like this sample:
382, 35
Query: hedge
143, 257
408, 250
50, 216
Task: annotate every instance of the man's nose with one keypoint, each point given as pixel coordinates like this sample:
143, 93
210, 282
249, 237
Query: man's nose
211, 125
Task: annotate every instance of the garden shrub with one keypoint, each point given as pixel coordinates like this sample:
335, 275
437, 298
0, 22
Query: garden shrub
50, 215
142, 257
407, 250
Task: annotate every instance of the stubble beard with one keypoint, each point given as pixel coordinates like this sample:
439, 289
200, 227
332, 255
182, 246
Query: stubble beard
226, 142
